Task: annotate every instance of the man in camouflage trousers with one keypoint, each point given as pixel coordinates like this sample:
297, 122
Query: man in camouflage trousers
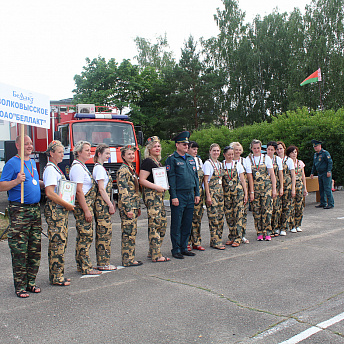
24, 236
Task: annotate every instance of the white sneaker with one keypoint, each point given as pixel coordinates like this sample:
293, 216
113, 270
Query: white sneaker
283, 233
298, 229
245, 241
277, 231
293, 230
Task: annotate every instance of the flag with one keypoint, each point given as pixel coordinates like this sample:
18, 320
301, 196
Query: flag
316, 76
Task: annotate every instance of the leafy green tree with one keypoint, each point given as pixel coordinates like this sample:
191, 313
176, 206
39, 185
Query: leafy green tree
96, 82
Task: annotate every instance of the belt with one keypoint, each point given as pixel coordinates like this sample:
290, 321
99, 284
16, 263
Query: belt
24, 204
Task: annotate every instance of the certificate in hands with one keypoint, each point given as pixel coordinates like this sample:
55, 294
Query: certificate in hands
160, 177
67, 190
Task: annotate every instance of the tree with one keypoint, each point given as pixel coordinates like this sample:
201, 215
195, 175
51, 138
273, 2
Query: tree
96, 82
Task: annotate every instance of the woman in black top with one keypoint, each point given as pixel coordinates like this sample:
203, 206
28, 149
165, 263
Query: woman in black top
153, 197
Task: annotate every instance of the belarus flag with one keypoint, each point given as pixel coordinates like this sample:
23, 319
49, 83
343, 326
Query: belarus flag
316, 76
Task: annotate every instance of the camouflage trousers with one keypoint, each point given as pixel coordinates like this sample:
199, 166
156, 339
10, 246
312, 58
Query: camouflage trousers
103, 231
195, 236
57, 220
262, 210
84, 239
157, 221
298, 203
234, 213
24, 241
129, 230
216, 221
276, 213
286, 208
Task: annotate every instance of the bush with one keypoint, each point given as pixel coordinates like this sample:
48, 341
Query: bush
293, 128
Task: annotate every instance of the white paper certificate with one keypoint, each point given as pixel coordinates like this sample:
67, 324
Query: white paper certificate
67, 190
160, 177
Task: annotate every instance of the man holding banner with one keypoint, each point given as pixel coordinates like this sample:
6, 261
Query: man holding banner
24, 236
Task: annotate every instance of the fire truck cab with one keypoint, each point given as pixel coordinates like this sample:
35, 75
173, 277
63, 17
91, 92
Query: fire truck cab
84, 122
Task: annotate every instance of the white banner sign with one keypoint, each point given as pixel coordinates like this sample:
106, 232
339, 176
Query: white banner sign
22, 106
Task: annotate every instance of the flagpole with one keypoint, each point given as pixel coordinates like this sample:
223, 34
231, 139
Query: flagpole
321, 104
22, 126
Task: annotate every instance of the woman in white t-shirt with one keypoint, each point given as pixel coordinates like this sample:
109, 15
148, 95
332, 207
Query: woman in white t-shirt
213, 173
56, 214
298, 201
262, 183
85, 196
235, 196
277, 202
238, 150
103, 208
289, 189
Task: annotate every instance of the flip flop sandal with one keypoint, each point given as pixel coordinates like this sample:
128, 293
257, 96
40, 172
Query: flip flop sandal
93, 272
166, 259
132, 264
64, 283
33, 289
22, 294
107, 268
235, 244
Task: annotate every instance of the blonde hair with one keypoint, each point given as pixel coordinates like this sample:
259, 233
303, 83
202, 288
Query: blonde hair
214, 145
52, 146
149, 146
79, 147
237, 144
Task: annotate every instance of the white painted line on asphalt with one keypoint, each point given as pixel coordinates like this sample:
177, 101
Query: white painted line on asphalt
340, 218
314, 329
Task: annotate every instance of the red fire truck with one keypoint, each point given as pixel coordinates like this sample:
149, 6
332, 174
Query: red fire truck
70, 124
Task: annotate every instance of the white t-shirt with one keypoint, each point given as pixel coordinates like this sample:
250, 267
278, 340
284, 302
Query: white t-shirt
243, 163
258, 160
289, 162
199, 163
51, 176
239, 167
99, 173
279, 162
79, 175
208, 168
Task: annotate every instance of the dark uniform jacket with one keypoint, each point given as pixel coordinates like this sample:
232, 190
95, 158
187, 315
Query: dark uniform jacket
322, 162
182, 174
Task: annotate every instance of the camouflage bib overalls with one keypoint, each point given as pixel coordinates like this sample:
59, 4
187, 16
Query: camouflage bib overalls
103, 225
246, 206
286, 198
128, 201
157, 222
84, 229
195, 237
56, 217
277, 202
215, 210
262, 203
233, 202
298, 201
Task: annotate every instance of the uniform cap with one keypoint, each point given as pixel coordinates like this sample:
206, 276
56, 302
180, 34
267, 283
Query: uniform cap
183, 137
316, 142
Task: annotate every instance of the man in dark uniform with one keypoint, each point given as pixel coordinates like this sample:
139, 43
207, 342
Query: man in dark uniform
322, 163
184, 193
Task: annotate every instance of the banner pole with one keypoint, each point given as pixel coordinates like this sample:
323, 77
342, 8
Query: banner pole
22, 126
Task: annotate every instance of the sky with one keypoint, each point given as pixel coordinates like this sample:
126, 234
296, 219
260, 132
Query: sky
45, 43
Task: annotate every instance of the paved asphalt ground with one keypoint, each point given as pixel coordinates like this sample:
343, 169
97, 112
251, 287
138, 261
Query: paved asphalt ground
263, 292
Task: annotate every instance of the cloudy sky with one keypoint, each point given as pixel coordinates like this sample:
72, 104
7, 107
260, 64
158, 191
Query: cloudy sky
44, 43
